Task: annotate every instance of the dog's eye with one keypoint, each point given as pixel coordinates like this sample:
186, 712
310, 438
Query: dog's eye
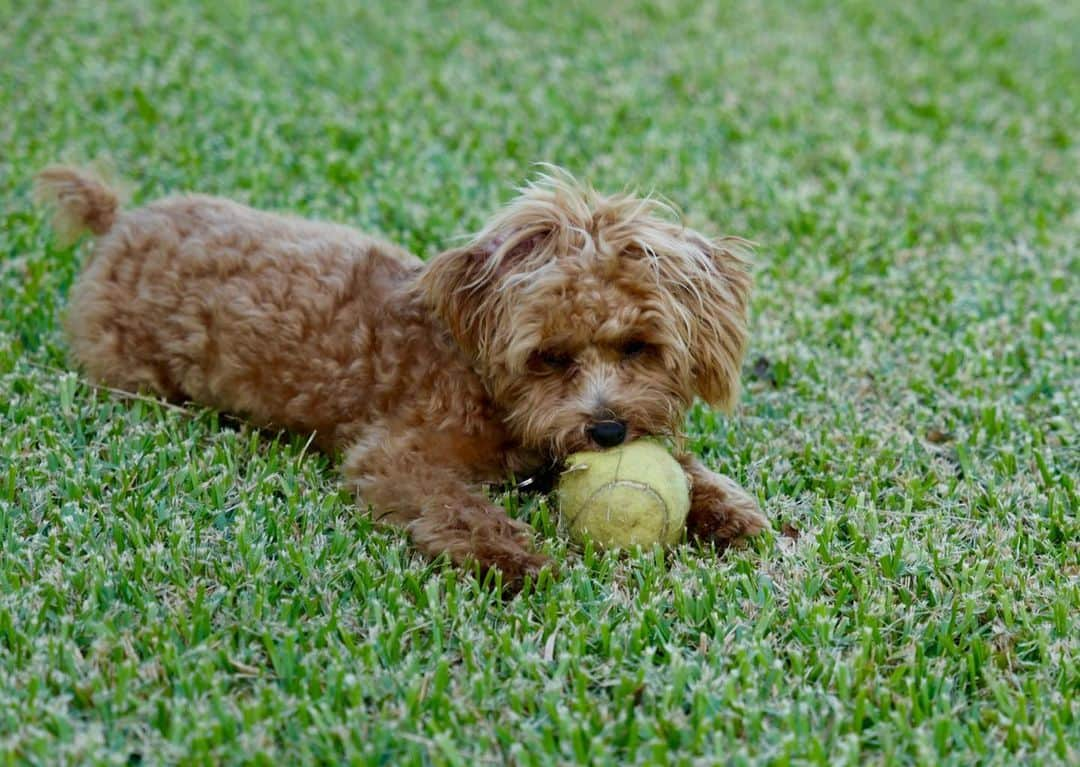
552, 360
557, 359
633, 349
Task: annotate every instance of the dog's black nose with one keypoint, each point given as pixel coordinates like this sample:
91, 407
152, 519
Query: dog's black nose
607, 433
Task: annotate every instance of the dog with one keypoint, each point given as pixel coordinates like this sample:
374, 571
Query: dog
573, 320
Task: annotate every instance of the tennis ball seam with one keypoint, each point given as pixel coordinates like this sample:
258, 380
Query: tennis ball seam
637, 486
594, 492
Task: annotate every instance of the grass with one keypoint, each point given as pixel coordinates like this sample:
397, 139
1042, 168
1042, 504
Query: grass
177, 588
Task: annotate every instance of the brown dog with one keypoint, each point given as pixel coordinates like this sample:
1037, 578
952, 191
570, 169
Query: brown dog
573, 320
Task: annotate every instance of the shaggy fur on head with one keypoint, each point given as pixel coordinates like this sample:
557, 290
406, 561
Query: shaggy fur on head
572, 320
579, 307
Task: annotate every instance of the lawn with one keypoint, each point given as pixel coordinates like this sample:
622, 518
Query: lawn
177, 587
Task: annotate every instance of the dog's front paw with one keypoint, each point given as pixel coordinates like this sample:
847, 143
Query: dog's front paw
517, 567
511, 553
483, 537
721, 511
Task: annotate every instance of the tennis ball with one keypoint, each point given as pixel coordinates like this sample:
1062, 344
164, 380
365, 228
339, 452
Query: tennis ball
633, 495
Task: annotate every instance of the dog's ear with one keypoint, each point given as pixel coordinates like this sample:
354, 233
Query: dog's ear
454, 285
470, 288
715, 291
465, 286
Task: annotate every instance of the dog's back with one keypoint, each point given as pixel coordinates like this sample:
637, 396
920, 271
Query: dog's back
200, 298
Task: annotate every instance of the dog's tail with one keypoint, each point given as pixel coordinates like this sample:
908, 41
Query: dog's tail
80, 199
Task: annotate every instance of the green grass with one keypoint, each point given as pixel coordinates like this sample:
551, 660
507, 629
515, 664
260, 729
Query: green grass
176, 588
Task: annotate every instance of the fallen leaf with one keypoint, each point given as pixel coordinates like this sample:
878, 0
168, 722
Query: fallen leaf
939, 436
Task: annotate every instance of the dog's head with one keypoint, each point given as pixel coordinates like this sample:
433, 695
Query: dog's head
594, 319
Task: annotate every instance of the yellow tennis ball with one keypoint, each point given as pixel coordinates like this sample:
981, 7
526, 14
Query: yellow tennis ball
633, 495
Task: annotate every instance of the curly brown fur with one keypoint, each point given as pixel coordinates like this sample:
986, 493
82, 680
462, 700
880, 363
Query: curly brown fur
572, 319
82, 201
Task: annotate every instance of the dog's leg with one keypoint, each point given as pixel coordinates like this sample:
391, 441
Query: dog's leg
720, 510
423, 486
